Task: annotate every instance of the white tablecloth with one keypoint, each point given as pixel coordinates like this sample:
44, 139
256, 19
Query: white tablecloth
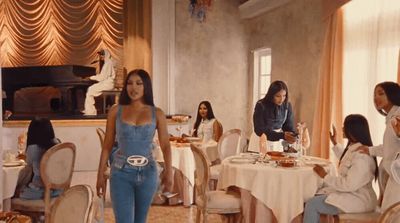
9, 181
283, 190
182, 157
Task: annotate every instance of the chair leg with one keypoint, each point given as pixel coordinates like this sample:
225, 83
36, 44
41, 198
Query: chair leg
198, 215
205, 216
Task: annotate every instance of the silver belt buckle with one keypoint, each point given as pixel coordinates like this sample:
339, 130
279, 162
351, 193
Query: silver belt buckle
137, 160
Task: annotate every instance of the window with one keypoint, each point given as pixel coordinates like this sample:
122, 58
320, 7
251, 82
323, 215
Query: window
262, 73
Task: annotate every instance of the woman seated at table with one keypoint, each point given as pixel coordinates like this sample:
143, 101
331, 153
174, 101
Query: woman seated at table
206, 126
40, 138
273, 115
351, 191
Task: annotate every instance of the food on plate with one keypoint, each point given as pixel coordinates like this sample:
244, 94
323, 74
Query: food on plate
291, 150
286, 163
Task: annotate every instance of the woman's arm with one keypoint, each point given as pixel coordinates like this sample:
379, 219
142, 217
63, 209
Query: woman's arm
360, 173
338, 150
105, 152
217, 130
288, 125
163, 138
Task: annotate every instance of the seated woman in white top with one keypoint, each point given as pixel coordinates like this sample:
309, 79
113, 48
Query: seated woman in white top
351, 191
207, 126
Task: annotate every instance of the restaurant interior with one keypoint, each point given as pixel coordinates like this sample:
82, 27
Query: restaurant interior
330, 54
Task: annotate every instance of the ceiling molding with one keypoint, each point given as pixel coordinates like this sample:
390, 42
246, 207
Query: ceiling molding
253, 8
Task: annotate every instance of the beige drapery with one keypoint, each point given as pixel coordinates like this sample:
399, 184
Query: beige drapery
137, 35
398, 70
329, 92
53, 32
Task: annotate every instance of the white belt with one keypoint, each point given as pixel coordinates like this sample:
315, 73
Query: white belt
137, 160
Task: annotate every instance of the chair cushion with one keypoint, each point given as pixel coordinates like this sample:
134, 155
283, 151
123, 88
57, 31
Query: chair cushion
367, 217
29, 205
221, 202
214, 171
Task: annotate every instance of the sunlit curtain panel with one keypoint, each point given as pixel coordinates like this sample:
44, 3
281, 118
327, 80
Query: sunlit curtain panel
55, 32
371, 54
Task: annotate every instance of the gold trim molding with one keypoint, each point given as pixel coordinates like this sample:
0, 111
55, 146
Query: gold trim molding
58, 123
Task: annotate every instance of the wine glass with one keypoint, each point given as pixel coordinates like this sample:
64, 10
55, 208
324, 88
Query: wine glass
21, 146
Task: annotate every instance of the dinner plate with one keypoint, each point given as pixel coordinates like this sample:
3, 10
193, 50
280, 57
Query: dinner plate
313, 161
13, 163
193, 139
241, 160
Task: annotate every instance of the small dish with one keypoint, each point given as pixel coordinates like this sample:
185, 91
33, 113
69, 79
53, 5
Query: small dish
193, 139
13, 163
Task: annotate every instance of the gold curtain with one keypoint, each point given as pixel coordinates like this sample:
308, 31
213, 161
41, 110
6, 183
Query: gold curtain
398, 70
137, 35
55, 32
329, 100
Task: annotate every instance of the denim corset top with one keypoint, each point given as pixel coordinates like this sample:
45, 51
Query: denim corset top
135, 139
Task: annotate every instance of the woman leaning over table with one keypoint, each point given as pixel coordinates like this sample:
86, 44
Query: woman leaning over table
133, 122
273, 115
351, 191
206, 126
387, 102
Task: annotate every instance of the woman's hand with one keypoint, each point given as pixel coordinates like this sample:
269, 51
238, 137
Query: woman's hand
363, 149
166, 180
101, 183
320, 170
289, 137
396, 125
332, 135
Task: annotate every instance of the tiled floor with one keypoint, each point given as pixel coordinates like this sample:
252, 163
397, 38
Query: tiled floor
169, 214
157, 214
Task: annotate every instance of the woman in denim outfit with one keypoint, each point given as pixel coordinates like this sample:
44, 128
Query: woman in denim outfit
134, 178
40, 139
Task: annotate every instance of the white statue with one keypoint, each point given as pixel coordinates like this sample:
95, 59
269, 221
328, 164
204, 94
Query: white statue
105, 82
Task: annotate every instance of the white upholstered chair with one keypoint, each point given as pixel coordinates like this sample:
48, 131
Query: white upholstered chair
73, 206
211, 202
228, 145
56, 168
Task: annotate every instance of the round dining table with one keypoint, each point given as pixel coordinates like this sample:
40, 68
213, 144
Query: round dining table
9, 183
282, 191
182, 159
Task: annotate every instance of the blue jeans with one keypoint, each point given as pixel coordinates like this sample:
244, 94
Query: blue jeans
132, 191
316, 206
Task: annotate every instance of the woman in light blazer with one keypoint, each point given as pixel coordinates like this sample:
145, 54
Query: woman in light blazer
351, 191
387, 102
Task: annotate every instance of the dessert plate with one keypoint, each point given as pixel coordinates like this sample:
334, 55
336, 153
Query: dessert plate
13, 163
242, 160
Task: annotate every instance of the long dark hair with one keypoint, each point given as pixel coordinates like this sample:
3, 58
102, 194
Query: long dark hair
41, 133
356, 129
124, 98
392, 91
210, 115
274, 88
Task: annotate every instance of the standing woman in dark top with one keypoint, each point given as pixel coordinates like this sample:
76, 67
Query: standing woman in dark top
273, 115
